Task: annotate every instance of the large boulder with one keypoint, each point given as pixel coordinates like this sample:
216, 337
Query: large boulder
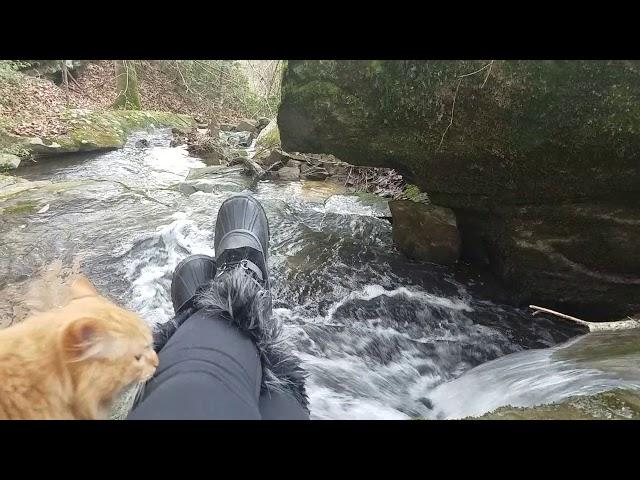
425, 232
545, 152
580, 257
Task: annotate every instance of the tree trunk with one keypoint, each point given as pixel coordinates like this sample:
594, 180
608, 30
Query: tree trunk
127, 86
65, 79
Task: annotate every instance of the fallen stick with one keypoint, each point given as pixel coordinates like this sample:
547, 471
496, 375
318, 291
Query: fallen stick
592, 326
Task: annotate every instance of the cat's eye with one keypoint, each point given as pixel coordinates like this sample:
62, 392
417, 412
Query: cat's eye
138, 357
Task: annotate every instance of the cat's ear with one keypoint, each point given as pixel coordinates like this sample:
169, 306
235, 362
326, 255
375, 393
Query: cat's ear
86, 338
82, 287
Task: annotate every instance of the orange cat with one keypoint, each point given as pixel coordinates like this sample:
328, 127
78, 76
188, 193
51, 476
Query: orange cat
71, 362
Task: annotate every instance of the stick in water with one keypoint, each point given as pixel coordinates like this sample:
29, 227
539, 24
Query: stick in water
592, 326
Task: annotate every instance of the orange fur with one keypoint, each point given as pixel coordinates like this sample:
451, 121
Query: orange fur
71, 362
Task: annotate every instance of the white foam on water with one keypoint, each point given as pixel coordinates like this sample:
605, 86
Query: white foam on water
351, 205
370, 292
367, 369
172, 160
152, 260
326, 404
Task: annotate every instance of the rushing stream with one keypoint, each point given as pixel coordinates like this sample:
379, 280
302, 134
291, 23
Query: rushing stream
382, 337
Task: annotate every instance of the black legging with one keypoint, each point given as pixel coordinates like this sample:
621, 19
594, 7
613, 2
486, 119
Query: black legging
209, 370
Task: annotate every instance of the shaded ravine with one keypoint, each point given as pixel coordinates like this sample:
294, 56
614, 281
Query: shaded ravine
379, 335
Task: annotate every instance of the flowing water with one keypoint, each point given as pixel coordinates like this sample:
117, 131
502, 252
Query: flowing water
381, 337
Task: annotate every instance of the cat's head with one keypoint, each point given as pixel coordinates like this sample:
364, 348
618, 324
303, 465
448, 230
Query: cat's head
105, 348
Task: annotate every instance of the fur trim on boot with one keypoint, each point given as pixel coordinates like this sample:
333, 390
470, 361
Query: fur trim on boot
248, 307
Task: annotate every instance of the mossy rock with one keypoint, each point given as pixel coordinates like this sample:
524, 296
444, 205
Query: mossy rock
20, 208
612, 405
269, 137
16, 193
519, 130
413, 193
90, 130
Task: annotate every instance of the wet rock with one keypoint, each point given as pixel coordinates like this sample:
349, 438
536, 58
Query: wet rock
262, 122
205, 186
618, 404
208, 149
275, 156
186, 188
142, 143
289, 172
182, 130
240, 139
247, 125
425, 232
9, 161
216, 170
236, 161
293, 163
226, 127
215, 179
582, 257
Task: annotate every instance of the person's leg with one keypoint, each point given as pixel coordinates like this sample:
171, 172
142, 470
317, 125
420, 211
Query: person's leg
281, 406
211, 365
208, 370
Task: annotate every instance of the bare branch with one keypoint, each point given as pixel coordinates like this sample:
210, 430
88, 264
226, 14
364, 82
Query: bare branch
592, 326
455, 95
488, 72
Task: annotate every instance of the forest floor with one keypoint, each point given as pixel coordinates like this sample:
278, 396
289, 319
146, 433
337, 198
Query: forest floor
31, 106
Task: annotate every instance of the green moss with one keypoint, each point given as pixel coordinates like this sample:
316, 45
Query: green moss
268, 139
21, 208
127, 86
603, 347
315, 91
376, 66
613, 405
239, 152
92, 130
413, 193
